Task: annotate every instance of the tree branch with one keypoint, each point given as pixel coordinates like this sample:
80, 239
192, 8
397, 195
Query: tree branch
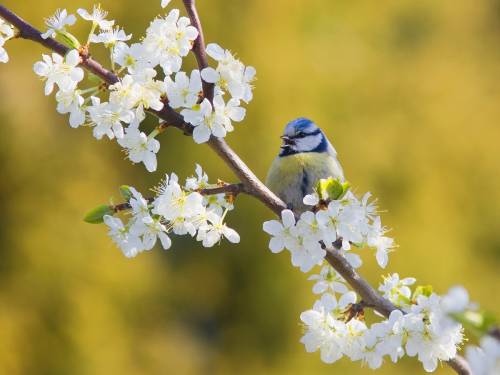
231, 189
199, 46
250, 184
360, 285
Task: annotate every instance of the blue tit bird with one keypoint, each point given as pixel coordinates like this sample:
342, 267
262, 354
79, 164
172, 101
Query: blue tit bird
305, 157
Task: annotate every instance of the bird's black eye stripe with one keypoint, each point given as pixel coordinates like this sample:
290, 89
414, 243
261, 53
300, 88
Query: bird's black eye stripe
302, 134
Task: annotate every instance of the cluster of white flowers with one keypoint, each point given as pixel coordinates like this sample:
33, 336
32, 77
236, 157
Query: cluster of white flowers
6, 33
176, 209
353, 220
421, 326
230, 77
423, 329
118, 112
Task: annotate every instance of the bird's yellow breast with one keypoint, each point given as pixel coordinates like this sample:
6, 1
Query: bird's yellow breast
293, 176
297, 163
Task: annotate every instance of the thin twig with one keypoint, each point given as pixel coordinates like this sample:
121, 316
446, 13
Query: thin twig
199, 46
460, 365
229, 189
250, 184
360, 285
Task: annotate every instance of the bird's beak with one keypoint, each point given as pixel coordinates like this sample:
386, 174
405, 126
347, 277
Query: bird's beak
287, 141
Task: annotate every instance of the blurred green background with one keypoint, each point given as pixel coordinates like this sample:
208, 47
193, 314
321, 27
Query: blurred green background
409, 93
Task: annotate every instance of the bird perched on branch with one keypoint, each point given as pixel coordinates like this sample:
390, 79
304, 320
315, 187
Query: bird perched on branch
305, 157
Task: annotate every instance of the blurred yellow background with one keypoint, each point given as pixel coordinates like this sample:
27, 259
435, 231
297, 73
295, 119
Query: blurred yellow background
408, 92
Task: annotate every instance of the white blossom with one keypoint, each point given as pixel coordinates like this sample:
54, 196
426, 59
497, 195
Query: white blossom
230, 75
214, 230
354, 346
323, 332
174, 202
283, 233
127, 56
97, 17
328, 280
108, 117
58, 22
376, 239
150, 229
311, 199
140, 206
216, 121
397, 290
307, 254
371, 353
217, 203
61, 71
129, 244
125, 92
71, 102
140, 147
350, 222
309, 228
300, 239
390, 333
329, 220
109, 37
199, 181
205, 121
183, 91
138, 90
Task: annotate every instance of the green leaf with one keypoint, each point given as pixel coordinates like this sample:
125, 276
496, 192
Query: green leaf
345, 188
96, 215
422, 290
70, 39
125, 192
478, 322
331, 188
403, 300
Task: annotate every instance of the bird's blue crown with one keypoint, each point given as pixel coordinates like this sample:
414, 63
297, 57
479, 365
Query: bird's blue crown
300, 124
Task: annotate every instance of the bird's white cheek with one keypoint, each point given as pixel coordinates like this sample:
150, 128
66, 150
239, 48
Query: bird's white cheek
308, 143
